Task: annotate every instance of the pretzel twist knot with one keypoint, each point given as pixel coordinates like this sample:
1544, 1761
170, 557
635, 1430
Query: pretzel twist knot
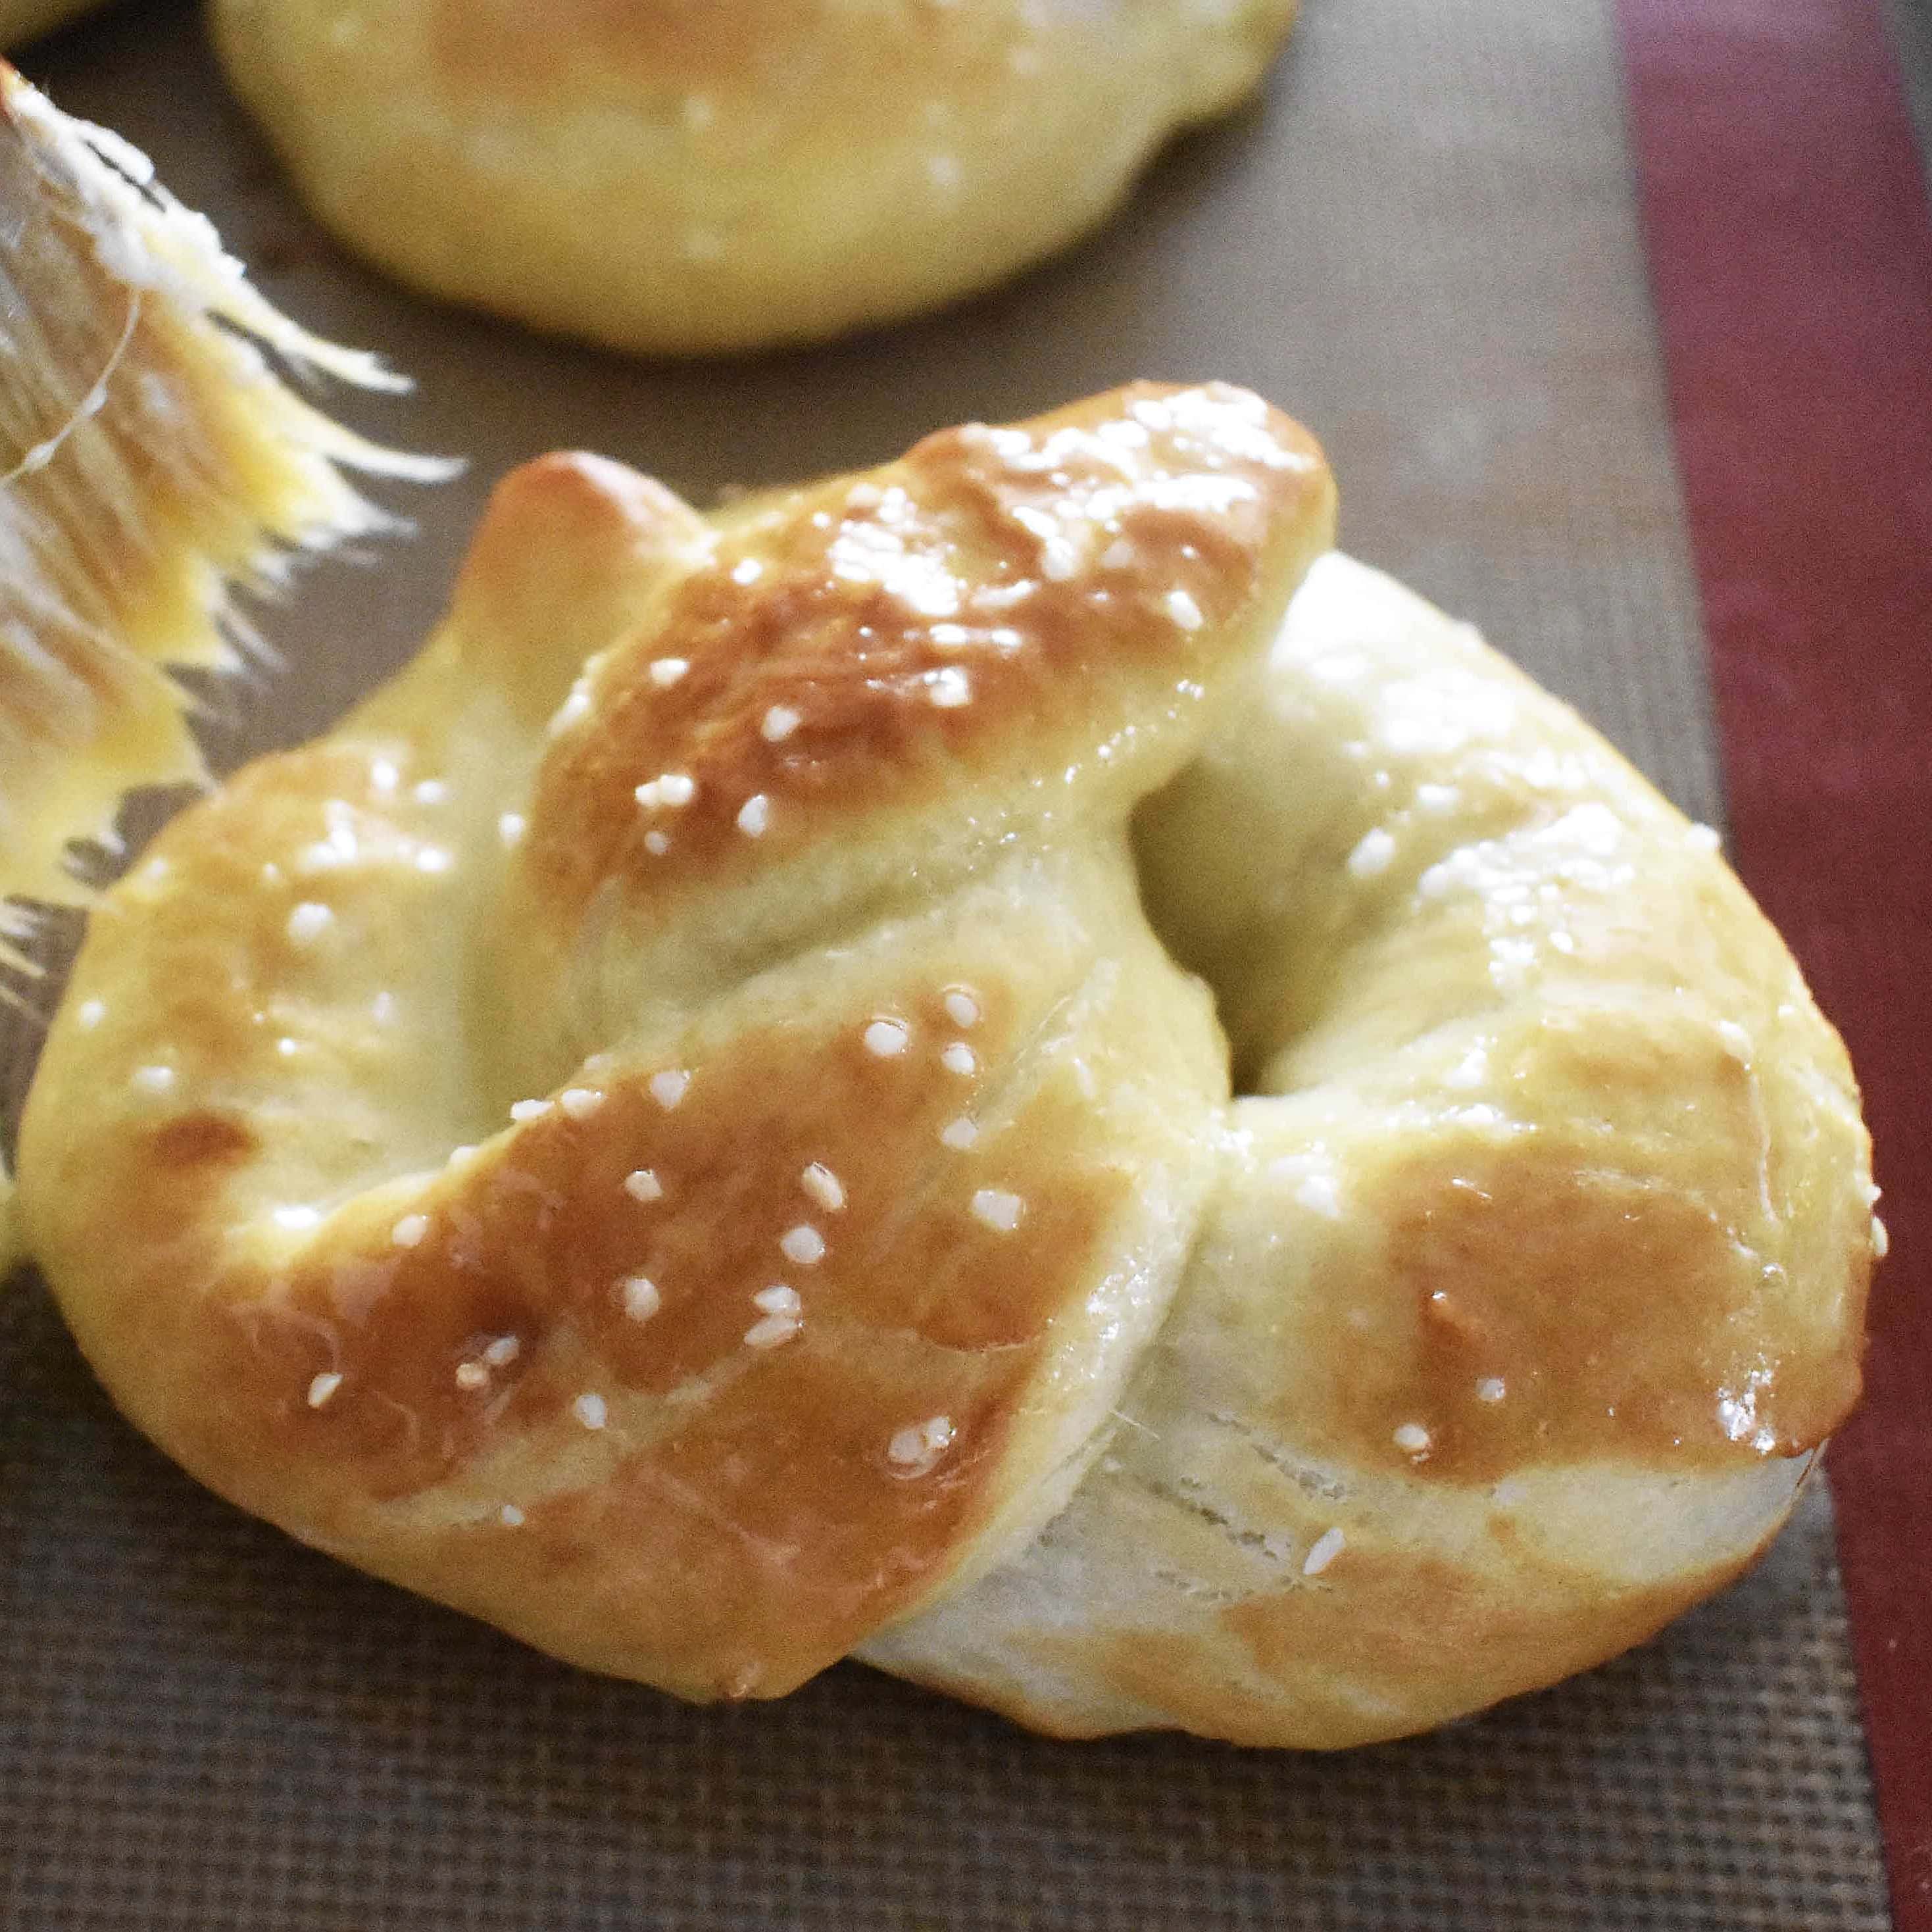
968, 1093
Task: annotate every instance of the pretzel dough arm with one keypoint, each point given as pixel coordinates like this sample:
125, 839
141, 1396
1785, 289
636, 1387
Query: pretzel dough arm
1478, 914
669, 1329
870, 685
1532, 1283
317, 1043
571, 554
358, 870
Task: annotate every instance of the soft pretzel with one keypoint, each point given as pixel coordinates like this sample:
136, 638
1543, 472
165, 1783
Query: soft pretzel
681, 177
679, 1128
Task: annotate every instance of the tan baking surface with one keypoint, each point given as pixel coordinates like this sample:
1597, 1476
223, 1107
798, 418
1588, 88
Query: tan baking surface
1423, 243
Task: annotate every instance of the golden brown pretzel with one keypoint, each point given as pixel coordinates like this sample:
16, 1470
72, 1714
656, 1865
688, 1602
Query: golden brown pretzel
681, 177
674, 1129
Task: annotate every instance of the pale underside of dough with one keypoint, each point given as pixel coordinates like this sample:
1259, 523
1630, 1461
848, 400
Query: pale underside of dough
812, 915
679, 178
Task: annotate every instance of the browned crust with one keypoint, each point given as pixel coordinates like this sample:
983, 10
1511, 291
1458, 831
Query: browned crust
724, 1474
886, 640
1593, 1267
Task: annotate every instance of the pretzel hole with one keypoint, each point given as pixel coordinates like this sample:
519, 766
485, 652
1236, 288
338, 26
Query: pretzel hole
1260, 1007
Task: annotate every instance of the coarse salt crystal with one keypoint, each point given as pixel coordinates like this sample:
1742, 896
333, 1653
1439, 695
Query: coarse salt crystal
309, 922
997, 1208
886, 1037
823, 1186
804, 1245
918, 1446
1323, 1551
949, 687
1374, 853
1320, 1194
673, 789
771, 1331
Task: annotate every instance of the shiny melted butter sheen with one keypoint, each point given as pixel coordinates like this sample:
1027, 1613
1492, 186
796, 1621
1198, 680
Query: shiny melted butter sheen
872, 642
809, 1263
1569, 1256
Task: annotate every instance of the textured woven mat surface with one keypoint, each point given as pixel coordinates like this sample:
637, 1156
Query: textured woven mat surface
204, 1727
1423, 242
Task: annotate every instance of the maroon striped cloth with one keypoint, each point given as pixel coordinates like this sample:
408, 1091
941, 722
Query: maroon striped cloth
1791, 254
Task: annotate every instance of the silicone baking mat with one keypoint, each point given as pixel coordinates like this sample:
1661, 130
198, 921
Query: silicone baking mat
1426, 241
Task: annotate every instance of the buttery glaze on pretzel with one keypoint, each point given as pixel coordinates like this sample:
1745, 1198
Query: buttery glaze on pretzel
714, 1166
681, 176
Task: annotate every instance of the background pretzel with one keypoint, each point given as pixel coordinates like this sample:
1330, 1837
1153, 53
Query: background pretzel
675, 1130
679, 177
